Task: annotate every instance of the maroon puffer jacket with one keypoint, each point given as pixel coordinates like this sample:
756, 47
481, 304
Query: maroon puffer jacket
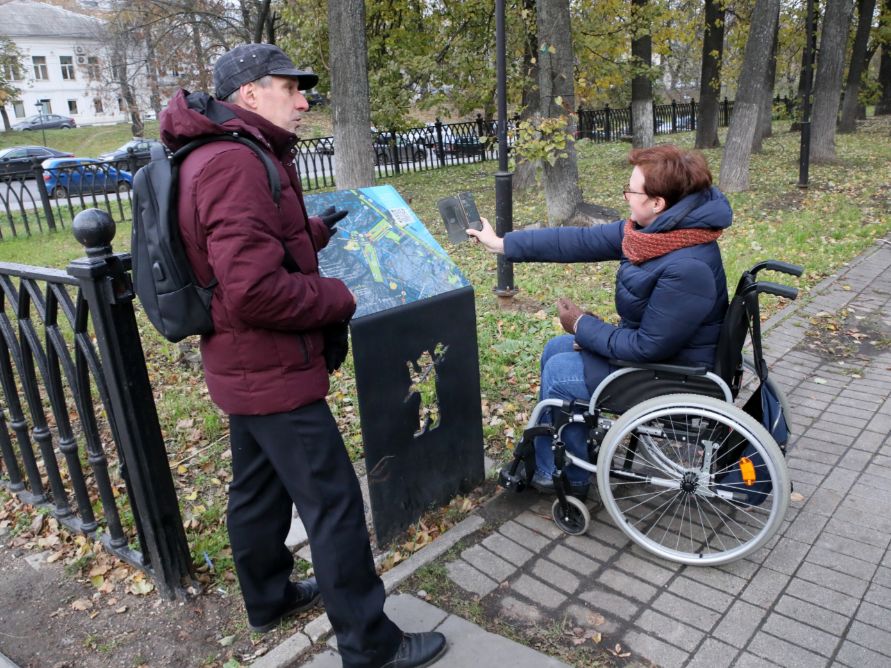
265, 355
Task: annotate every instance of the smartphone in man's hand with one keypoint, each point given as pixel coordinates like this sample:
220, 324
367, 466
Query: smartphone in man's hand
459, 213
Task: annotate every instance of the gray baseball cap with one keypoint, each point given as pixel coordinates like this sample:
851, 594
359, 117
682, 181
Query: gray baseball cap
250, 62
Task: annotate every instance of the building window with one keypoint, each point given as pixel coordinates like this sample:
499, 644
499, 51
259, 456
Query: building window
18, 108
40, 72
93, 67
72, 106
46, 105
97, 105
67, 63
11, 72
122, 106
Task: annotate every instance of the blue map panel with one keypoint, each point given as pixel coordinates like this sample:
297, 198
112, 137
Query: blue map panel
382, 251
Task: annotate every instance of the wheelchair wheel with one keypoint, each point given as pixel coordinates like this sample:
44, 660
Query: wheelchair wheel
666, 471
576, 518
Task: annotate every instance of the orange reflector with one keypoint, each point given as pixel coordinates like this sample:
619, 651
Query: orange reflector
747, 469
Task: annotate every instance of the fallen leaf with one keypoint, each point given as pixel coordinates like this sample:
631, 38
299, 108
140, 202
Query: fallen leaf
595, 619
141, 587
82, 604
796, 496
228, 640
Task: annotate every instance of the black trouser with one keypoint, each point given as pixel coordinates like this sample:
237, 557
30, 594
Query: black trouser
300, 456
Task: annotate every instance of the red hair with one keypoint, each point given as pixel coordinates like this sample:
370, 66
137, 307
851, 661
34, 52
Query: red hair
670, 172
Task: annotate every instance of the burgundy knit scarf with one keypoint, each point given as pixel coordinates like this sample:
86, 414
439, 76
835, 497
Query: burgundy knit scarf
639, 246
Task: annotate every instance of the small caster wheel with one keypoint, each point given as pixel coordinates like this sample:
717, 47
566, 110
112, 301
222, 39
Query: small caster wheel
576, 518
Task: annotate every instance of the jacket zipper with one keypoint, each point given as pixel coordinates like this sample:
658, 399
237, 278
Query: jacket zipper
305, 348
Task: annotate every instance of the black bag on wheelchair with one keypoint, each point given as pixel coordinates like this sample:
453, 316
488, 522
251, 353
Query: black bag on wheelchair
764, 405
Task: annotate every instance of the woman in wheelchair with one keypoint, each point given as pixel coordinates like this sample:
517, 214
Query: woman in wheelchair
671, 291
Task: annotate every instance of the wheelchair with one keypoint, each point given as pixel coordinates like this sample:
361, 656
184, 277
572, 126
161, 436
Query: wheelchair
685, 465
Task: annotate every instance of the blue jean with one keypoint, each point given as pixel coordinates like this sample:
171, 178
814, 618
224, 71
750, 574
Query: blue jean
563, 377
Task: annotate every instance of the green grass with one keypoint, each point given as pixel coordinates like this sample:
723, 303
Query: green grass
846, 208
86, 141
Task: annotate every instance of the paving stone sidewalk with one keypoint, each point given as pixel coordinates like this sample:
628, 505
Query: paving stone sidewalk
468, 644
819, 593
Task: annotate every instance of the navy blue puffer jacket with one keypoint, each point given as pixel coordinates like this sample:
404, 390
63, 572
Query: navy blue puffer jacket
671, 307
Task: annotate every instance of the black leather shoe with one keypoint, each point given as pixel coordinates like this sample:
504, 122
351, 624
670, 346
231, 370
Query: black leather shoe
307, 596
418, 650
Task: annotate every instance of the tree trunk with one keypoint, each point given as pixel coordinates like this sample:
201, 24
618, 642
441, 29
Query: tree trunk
151, 66
350, 102
827, 83
271, 20
710, 79
744, 122
557, 89
641, 86
137, 127
851, 104
883, 107
261, 21
526, 170
765, 110
204, 80
5, 116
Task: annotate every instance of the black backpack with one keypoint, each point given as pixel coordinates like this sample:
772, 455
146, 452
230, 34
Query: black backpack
172, 298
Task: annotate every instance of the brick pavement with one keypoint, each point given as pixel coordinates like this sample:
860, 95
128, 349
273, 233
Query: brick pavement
818, 594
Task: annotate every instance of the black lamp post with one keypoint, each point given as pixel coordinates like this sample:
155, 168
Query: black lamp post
804, 156
40, 120
504, 209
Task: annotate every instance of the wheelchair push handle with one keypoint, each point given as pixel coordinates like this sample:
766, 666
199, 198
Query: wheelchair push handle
776, 289
777, 265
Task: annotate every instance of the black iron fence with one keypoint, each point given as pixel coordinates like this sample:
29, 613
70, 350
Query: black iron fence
40, 198
395, 152
79, 432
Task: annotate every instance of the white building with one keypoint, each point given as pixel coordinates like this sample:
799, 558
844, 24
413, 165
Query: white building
65, 64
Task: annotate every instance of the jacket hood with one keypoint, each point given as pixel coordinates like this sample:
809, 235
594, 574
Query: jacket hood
192, 115
706, 209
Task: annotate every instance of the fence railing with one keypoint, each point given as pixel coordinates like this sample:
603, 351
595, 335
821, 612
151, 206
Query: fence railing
78, 410
39, 199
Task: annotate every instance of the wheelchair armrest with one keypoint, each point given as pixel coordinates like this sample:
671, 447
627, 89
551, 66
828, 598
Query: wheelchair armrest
676, 369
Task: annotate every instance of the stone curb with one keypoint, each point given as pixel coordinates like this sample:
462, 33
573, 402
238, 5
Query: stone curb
289, 651
6, 663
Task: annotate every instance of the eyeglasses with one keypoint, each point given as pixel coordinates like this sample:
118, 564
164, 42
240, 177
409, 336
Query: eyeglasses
626, 192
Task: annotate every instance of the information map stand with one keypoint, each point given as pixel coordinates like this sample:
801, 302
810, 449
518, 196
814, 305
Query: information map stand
416, 359
414, 463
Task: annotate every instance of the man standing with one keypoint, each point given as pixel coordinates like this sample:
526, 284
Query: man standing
265, 361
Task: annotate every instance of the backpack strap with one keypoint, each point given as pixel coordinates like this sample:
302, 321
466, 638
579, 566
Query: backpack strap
271, 171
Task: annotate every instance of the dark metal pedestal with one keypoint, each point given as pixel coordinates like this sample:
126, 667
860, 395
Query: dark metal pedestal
412, 468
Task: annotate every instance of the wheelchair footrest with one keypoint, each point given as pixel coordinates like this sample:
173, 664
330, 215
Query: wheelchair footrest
516, 482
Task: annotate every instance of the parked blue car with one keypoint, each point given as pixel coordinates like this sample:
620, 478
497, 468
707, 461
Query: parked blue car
83, 176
